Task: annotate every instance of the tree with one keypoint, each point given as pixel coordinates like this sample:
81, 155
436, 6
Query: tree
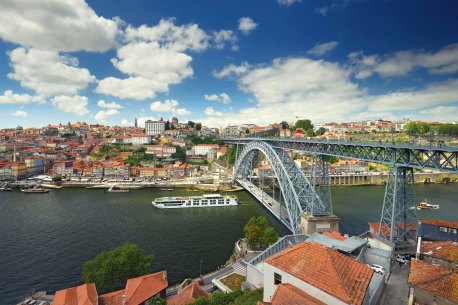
191, 124
157, 301
179, 154
110, 270
416, 128
259, 232
198, 126
56, 178
304, 124
167, 125
247, 131
284, 125
320, 131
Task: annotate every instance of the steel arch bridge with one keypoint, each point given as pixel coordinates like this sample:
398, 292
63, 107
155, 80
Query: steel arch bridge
298, 192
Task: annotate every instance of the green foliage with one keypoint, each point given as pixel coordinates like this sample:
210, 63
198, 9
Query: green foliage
167, 125
180, 153
198, 126
416, 128
191, 124
157, 301
284, 125
332, 159
56, 178
447, 129
232, 298
247, 131
306, 125
320, 131
206, 140
259, 232
110, 270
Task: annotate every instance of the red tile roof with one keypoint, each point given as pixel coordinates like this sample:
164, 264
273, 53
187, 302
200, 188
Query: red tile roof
445, 250
188, 295
287, 294
434, 278
85, 294
142, 288
335, 235
440, 223
330, 271
112, 298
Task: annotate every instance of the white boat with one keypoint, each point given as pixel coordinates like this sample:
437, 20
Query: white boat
35, 190
425, 205
209, 200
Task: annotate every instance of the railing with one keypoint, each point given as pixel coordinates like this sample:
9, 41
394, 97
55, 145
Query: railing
278, 246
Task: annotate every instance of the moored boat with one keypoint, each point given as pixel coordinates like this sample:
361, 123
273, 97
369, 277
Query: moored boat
209, 200
36, 189
425, 205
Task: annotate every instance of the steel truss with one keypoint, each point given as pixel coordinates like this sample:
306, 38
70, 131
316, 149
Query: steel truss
399, 219
298, 193
444, 159
321, 180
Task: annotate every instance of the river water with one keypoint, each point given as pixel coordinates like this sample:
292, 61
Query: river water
46, 238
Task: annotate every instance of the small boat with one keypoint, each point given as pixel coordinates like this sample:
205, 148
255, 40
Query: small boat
5, 188
113, 190
425, 205
166, 189
36, 189
210, 200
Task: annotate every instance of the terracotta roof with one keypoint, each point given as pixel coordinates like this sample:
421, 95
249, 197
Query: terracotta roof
188, 295
445, 250
374, 226
326, 269
287, 294
112, 298
434, 278
440, 223
335, 235
85, 294
142, 288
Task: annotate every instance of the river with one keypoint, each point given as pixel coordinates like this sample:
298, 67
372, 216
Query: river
46, 238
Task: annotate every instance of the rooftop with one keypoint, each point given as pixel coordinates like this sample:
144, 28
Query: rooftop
440, 223
445, 250
287, 294
347, 245
85, 294
327, 269
188, 295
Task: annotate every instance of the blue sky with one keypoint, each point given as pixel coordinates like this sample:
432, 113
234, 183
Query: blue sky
227, 62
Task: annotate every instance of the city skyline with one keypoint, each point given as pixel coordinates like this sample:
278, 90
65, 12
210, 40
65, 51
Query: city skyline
227, 62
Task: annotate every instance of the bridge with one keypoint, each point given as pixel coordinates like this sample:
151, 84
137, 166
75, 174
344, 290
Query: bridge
282, 187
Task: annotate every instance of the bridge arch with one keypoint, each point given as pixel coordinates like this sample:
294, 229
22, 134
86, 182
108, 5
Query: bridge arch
298, 193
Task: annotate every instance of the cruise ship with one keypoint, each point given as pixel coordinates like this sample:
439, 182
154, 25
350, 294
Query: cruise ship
209, 200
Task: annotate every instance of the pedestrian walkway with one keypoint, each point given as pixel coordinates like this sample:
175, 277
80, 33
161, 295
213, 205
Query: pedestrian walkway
240, 267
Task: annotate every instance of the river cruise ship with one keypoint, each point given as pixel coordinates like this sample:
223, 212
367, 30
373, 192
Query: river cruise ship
209, 200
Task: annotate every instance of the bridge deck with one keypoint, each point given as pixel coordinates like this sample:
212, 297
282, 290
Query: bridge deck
280, 212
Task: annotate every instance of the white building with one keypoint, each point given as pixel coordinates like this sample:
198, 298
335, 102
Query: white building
154, 127
138, 139
203, 149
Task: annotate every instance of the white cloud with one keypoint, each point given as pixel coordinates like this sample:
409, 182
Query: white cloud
141, 120
112, 105
103, 114
170, 36
211, 112
56, 25
246, 25
47, 72
73, 104
232, 70
9, 97
434, 95
169, 106
138, 88
125, 122
20, 113
444, 61
288, 2
323, 48
440, 114
222, 98
224, 38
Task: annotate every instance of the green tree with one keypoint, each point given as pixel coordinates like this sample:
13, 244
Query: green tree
416, 128
110, 270
167, 125
179, 154
258, 232
304, 124
56, 178
247, 131
231, 154
191, 124
284, 125
157, 301
198, 126
320, 131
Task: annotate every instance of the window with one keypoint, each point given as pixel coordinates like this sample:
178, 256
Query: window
453, 231
443, 229
277, 278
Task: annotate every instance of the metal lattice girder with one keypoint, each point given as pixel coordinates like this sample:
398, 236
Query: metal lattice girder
399, 219
321, 180
298, 193
444, 159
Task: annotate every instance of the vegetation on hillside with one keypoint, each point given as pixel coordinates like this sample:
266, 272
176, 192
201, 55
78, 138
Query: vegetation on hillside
259, 233
232, 298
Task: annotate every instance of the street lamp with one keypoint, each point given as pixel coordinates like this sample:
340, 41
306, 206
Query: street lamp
200, 268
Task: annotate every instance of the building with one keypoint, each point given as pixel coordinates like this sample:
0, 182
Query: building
433, 284
138, 139
287, 294
323, 273
435, 229
203, 149
444, 253
85, 294
188, 295
154, 127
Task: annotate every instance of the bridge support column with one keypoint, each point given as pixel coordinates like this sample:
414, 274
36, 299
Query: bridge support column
311, 224
321, 180
399, 219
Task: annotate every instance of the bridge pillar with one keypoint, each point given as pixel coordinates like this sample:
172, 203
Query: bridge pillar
311, 224
321, 180
399, 219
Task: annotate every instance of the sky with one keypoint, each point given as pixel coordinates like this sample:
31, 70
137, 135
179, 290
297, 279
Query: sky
227, 62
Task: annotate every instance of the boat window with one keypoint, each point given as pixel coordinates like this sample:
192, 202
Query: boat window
453, 231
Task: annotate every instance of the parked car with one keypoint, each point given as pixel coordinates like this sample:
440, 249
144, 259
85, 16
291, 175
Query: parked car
402, 259
377, 268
